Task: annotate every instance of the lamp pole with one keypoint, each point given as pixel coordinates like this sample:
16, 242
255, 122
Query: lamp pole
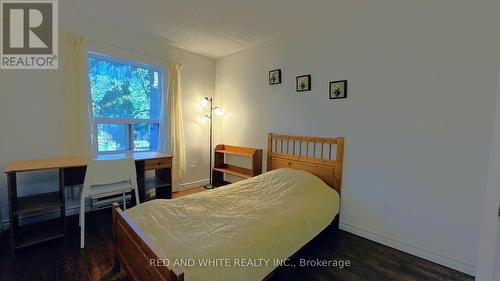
209, 186
209, 118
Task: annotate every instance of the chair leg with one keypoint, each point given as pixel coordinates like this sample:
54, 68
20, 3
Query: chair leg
80, 214
136, 196
124, 203
82, 222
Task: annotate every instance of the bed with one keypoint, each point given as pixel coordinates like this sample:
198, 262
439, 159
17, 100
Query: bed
241, 231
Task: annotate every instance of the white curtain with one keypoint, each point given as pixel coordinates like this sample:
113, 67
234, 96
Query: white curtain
75, 86
78, 118
172, 107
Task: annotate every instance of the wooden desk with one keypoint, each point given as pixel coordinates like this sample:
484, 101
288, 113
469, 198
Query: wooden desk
72, 172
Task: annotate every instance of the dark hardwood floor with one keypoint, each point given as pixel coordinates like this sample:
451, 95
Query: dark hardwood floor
63, 260
369, 261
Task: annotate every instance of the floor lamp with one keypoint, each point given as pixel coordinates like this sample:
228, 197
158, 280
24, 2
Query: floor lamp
208, 118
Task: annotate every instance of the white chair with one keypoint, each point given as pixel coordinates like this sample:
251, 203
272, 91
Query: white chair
106, 178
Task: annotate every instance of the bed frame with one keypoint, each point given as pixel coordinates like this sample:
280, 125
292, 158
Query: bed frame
134, 252
311, 154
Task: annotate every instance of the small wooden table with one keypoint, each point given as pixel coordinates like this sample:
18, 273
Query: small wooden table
72, 172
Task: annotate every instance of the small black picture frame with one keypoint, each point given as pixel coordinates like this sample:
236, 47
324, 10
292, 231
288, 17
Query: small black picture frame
338, 89
275, 77
303, 83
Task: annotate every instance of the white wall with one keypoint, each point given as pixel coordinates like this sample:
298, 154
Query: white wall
418, 120
489, 244
497, 259
32, 104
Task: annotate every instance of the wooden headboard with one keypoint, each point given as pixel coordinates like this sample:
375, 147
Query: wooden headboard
311, 154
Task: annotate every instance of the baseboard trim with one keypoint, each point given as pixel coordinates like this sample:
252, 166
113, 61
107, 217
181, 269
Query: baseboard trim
410, 249
191, 184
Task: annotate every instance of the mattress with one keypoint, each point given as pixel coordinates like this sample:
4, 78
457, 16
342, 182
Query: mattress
241, 231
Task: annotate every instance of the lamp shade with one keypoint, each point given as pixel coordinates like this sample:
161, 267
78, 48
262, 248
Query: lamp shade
218, 111
204, 102
204, 119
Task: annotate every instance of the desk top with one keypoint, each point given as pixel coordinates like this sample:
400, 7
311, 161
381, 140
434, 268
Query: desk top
71, 162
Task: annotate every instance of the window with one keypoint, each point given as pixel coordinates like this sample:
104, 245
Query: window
126, 102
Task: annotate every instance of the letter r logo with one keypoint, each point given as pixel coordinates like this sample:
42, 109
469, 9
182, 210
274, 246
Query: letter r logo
27, 27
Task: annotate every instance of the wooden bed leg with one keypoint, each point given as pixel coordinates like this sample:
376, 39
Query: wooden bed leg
337, 223
116, 266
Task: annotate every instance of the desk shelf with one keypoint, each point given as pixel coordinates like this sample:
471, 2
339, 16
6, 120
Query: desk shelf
31, 234
37, 203
221, 167
158, 184
21, 206
154, 182
161, 182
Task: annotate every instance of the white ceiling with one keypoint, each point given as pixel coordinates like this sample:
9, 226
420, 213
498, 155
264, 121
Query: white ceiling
214, 28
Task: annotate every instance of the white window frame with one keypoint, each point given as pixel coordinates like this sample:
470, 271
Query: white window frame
128, 122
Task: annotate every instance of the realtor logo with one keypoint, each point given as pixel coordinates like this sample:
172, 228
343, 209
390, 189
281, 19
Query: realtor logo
29, 35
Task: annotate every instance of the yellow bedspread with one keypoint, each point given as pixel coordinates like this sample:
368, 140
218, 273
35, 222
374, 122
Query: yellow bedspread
239, 231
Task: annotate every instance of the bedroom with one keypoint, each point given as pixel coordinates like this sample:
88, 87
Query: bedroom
419, 189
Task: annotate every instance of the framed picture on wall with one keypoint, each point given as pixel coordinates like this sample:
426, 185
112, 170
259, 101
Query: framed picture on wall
303, 83
338, 89
275, 77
